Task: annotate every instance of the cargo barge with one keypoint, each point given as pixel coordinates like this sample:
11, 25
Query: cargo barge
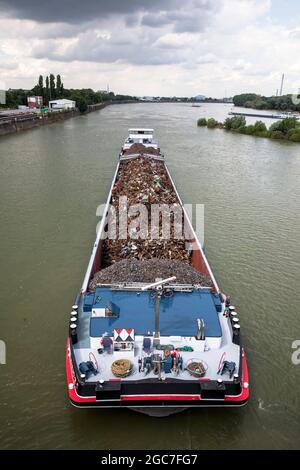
150, 329
279, 116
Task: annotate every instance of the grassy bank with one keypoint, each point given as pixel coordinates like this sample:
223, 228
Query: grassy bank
285, 129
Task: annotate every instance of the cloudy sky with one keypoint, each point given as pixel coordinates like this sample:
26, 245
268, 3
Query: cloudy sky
153, 47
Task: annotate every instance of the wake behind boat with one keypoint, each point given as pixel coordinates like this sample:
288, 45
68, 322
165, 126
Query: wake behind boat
150, 329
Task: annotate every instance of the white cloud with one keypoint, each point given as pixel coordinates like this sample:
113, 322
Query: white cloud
176, 41
241, 13
199, 47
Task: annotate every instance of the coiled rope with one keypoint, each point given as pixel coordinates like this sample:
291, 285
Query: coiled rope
196, 369
121, 368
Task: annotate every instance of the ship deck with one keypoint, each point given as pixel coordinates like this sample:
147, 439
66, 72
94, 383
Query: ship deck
178, 317
137, 311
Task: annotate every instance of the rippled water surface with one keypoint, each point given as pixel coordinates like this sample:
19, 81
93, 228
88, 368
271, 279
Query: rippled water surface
51, 181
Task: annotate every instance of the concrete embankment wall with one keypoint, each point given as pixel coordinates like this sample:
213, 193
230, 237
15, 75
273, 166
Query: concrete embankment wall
98, 106
12, 125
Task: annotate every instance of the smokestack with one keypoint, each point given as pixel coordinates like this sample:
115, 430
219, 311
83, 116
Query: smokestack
281, 87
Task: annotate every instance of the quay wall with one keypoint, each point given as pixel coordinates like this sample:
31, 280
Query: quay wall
15, 124
24, 121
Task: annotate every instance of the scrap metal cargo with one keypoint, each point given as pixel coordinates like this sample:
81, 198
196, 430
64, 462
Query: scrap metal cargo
150, 329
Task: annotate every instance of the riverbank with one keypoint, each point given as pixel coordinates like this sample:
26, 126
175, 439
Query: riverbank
25, 121
22, 122
269, 103
286, 129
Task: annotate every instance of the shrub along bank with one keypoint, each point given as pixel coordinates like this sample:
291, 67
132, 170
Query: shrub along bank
285, 129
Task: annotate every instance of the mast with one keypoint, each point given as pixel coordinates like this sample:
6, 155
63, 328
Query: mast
158, 288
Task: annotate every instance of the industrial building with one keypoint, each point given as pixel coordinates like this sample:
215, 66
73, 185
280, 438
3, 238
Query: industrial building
62, 104
200, 98
35, 101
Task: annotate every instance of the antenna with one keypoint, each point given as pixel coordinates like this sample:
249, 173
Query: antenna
158, 286
281, 86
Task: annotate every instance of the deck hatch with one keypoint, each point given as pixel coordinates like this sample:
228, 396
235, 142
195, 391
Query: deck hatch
178, 316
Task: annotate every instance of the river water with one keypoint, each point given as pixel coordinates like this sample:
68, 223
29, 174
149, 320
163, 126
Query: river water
51, 181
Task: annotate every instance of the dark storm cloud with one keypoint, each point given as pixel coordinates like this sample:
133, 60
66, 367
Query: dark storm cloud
155, 20
107, 31
77, 11
192, 16
182, 21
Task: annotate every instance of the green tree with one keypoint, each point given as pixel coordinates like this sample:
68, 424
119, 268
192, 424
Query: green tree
59, 86
277, 135
52, 86
14, 98
287, 124
240, 100
202, 122
276, 126
248, 130
251, 100
227, 124
82, 104
260, 126
41, 85
47, 91
284, 126
212, 123
294, 135
235, 123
